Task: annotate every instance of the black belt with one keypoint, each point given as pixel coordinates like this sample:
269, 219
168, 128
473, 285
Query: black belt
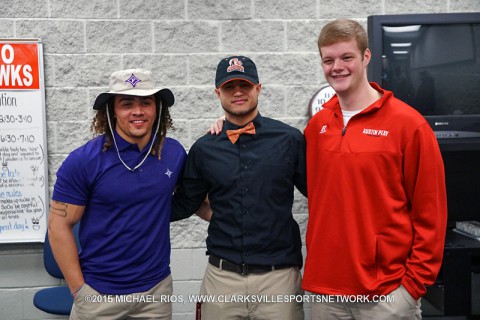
243, 269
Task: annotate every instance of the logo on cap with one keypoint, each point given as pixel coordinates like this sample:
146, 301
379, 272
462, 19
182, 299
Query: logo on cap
235, 65
133, 80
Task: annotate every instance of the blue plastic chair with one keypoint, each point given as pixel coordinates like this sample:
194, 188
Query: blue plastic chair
54, 300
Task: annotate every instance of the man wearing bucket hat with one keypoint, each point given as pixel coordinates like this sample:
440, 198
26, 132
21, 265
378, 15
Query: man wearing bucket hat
119, 187
249, 172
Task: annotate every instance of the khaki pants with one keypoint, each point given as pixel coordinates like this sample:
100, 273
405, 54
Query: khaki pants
255, 296
398, 305
151, 304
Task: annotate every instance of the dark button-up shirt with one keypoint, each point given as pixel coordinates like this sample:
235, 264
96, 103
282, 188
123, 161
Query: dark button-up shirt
250, 185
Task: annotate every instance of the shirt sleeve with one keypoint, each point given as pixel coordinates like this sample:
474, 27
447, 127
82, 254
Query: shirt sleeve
425, 186
192, 189
71, 185
300, 177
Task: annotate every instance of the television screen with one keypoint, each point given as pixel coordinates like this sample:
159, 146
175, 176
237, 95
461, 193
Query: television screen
432, 62
433, 67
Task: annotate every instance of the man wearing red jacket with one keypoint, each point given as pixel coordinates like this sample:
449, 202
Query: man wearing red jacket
376, 192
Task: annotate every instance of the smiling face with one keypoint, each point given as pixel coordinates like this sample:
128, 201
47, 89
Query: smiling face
135, 118
239, 99
345, 66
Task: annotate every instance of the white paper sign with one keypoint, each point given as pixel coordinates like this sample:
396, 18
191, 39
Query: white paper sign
23, 152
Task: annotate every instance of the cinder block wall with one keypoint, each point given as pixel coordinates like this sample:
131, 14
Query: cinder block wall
181, 41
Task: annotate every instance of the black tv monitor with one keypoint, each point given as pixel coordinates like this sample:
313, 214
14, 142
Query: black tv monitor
462, 178
432, 62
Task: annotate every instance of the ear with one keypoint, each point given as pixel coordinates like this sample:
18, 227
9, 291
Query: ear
217, 92
259, 88
366, 57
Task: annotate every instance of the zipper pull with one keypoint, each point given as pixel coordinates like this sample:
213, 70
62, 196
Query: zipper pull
343, 131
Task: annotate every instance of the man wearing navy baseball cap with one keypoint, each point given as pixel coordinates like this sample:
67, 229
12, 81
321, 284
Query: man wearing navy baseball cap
249, 172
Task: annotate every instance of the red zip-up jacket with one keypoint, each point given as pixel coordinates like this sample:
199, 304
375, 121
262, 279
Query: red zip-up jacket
377, 200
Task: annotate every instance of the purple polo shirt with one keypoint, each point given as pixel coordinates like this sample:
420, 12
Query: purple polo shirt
124, 232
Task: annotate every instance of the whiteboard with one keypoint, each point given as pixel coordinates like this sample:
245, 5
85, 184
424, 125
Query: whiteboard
23, 151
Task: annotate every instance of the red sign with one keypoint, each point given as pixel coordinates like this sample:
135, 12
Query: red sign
19, 66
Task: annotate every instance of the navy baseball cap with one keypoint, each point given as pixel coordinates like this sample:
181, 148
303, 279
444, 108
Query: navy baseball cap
236, 68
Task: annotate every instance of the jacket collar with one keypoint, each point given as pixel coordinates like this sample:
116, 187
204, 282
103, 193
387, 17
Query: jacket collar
334, 105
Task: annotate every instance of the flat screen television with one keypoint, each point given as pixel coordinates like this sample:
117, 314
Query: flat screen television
432, 62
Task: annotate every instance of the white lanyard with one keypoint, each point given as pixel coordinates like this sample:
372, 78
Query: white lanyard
149, 149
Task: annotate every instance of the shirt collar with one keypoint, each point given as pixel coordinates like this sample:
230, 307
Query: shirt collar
334, 105
257, 121
123, 144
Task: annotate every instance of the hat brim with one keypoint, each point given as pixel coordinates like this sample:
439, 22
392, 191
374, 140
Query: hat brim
237, 77
165, 94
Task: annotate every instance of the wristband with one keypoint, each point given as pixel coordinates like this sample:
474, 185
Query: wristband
76, 290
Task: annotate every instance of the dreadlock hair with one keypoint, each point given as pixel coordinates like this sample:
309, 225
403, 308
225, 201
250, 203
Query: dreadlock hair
100, 126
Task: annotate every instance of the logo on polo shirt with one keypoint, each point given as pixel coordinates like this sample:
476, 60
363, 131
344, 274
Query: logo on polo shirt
324, 129
375, 132
235, 65
168, 173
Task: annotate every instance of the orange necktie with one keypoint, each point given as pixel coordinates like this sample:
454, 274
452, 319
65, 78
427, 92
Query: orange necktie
233, 135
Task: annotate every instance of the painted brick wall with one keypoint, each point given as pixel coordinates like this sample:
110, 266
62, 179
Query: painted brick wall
181, 41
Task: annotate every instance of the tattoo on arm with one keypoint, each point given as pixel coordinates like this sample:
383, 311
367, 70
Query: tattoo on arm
60, 208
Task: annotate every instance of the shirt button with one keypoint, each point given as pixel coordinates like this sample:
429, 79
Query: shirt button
244, 146
245, 212
245, 167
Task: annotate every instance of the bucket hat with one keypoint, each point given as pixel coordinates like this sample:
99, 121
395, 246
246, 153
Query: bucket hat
134, 82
